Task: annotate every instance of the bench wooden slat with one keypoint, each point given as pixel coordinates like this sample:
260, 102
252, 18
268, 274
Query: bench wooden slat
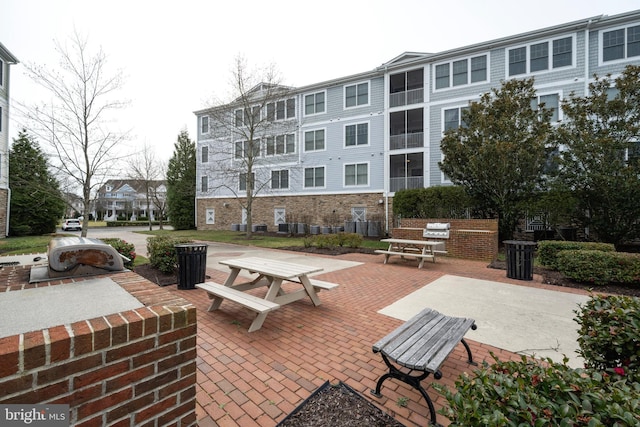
257, 304
407, 254
322, 284
424, 341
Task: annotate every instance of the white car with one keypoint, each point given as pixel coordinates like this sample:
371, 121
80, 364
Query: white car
71, 224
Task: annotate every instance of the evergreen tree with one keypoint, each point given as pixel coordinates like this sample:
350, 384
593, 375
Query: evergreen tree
600, 164
500, 152
36, 201
181, 183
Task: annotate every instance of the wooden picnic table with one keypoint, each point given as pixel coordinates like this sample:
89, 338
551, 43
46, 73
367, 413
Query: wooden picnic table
271, 273
422, 344
420, 249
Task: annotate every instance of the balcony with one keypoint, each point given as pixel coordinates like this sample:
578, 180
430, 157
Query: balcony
408, 97
406, 140
405, 183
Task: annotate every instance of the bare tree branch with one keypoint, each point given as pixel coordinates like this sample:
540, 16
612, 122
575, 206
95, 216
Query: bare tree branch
75, 123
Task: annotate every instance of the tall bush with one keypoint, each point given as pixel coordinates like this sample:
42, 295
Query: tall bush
609, 334
162, 253
432, 202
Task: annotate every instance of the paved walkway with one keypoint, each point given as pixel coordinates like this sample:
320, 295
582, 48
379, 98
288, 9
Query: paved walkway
256, 379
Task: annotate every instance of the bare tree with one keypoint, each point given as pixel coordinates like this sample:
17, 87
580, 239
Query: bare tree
146, 169
247, 131
75, 122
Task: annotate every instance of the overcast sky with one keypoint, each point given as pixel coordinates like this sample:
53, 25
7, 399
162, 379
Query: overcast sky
178, 55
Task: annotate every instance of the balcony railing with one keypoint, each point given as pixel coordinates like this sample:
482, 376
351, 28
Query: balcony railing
405, 183
408, 97
406, 140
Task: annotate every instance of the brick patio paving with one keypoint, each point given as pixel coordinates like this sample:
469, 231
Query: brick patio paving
256, 379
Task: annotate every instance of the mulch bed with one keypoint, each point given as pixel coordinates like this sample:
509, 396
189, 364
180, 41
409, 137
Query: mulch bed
338, 405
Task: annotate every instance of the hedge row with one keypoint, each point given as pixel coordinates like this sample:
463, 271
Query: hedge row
548, 250
600, 268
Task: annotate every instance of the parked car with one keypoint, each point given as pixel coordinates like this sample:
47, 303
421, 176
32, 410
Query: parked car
71, 224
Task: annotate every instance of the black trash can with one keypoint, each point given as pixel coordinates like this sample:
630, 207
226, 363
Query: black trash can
192, 264
519, 259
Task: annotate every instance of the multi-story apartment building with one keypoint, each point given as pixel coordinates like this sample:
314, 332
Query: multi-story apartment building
6, 60
356, 140
126, 199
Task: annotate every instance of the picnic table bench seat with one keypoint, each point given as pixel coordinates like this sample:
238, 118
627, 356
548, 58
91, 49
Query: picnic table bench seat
261, 306
422, 344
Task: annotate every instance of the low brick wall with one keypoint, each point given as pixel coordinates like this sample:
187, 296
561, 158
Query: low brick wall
468, 238
127, 369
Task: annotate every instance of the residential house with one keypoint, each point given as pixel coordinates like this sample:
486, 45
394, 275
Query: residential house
74, 205
126, 199
356, 140
6, 60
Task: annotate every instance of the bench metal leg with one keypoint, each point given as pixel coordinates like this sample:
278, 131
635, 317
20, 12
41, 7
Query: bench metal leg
412, 380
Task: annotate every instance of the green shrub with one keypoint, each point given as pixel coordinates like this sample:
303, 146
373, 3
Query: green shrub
548, 250
540, 393
599, 267
609, 334
328, 241
128, 250
162, 252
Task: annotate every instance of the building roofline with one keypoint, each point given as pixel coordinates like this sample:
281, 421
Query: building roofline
10, 58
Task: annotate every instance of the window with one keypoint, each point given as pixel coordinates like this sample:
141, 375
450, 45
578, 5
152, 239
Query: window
406, 129
517, 61
539, 57
314, 177
204, 124
281, 144
453, 118
542, 56
562, 52
356, 134
1, 73
0, 119
314, 103
248, 116
442, 76
356, 95
291, 108
280, 179
204, 184
406, 88
462, 72
621, 43
314, 140
479, 69
551, 102
356, 174
243, 181
205, 154
242, 148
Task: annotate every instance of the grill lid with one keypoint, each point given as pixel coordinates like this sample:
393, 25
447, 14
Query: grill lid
437, 230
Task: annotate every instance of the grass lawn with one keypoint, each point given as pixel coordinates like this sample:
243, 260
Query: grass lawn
38, 244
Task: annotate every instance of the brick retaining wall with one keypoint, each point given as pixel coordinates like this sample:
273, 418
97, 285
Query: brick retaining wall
127, 369
468, 238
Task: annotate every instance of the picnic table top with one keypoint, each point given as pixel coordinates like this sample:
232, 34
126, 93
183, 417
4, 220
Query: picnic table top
412, 242
271, 267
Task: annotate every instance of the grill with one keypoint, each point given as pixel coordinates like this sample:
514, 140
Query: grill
438, 230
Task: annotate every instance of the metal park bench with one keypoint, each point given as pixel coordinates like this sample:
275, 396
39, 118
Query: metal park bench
422, 344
